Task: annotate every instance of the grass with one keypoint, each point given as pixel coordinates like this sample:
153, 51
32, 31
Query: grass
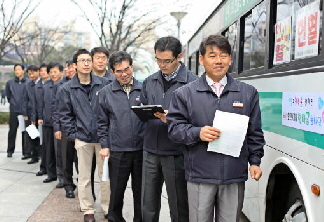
4, 117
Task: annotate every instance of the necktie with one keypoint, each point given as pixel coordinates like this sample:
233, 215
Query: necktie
217, 88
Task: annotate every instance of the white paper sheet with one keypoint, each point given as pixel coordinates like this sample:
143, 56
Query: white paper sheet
21, 121
32, 131
105, 170
233, 129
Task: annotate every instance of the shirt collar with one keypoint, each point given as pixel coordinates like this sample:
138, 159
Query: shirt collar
223, 81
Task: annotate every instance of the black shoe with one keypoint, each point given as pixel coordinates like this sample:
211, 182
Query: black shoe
106, 216
25, 157
59, 185
33, 161
49, 179
9, 155
70, 194
40, 173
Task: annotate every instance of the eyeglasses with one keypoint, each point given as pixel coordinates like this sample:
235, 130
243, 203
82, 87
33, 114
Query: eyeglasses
164, 61
84, 61
123, 71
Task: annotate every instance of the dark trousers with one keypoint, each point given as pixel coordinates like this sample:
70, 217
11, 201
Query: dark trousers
156, 170
68, 157
32, 145
58, 157
13, 126
43, 153
3, 100
48, 141
121, 165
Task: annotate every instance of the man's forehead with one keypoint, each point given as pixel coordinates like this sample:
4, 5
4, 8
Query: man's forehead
99, 54
214, 49
84, 56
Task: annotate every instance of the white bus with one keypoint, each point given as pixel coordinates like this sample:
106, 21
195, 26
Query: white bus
278, 48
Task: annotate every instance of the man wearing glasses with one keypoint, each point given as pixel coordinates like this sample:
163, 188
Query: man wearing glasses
120, 134
163, 159
78, 110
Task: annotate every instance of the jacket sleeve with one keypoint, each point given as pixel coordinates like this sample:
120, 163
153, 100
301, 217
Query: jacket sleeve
54, 107
103, 120
144, 93
24, 103
179, 127
32, 94
8, 92
40, 102
255, 138
67, 115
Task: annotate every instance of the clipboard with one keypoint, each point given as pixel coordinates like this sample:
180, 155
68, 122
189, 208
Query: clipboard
146, 112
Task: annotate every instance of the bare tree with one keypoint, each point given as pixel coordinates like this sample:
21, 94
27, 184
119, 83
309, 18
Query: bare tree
13, 13
119, 24
35, 42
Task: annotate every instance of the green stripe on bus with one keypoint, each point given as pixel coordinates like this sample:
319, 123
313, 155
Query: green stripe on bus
271, 111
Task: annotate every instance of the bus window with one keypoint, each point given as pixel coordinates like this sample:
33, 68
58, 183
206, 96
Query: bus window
192, 63
231, 35
254, 38
287, 8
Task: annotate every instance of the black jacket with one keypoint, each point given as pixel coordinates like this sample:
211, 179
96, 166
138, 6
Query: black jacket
29, 101
78, 111
193, 107
156, 138
15, 91
118, 126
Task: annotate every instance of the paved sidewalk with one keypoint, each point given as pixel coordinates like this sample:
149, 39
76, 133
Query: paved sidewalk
24, 197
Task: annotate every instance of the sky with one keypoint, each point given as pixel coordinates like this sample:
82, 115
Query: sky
61, 11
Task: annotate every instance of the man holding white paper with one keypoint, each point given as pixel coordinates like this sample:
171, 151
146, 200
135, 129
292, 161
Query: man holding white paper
218, 119
121, 134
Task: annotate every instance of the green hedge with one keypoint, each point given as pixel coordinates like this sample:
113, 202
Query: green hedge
4, 118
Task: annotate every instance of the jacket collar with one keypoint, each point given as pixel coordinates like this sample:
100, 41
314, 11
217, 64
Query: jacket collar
75, 83
116, 86
22, 80
181, 77
231, 85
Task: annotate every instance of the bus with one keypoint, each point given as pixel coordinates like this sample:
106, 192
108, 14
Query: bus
277, 46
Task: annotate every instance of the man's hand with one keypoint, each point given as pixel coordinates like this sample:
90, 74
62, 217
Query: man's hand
161, 116
209, 134
255, 172
25, 117
58, 135
104, 152
40, 122
34, 123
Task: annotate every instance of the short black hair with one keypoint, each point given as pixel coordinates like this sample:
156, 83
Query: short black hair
119, 57
32, 68
168, 43
215, 40
54, 64
44, 65
100, 49
69, 62
80, 52
21, 65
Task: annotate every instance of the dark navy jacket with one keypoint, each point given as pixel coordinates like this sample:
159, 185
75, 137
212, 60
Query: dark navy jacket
29, 101
118, 126
193, 107
78, 111
156, 138
39, 99
15, 91
108, 75
45, 104
55, 101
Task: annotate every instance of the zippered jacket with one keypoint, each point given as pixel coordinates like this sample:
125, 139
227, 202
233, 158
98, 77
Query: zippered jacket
156, 138
15, 91
28, 102
118, 126
193, 107
79, 111
55, 101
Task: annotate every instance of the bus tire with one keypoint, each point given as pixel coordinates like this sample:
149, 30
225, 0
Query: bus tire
296, 210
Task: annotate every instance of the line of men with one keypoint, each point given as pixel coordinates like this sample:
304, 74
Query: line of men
201, 185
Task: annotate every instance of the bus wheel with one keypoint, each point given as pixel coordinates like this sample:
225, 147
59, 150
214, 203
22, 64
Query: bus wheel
296, 211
